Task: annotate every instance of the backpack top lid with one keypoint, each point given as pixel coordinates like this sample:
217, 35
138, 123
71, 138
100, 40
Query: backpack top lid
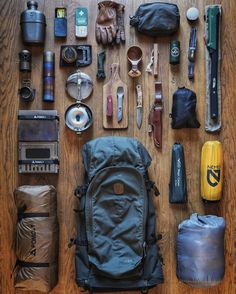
114, 151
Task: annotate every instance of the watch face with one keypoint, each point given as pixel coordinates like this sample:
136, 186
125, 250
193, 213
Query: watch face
79, 85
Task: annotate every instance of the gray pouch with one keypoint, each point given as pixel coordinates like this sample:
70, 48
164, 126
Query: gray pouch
200, 250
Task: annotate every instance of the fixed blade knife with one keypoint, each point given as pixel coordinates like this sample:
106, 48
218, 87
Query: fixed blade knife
139, 112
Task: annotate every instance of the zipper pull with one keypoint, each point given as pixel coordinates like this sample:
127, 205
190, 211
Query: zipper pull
155, 189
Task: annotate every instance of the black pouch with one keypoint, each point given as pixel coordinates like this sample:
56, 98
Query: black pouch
156, 19
184, 109
178, 184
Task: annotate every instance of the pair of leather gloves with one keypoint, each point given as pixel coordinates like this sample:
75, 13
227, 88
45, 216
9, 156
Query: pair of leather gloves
110, 23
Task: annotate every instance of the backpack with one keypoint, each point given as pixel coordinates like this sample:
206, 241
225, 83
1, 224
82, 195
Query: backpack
116, 246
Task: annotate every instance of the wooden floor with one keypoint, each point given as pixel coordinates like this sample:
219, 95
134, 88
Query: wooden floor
71, 168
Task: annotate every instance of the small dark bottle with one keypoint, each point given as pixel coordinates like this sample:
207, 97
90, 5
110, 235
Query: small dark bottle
48, 76
33, 24
174, 52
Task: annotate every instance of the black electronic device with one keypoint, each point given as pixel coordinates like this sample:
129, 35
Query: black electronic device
38, 141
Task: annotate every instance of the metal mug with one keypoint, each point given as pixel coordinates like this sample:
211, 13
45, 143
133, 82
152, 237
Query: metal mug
134, 55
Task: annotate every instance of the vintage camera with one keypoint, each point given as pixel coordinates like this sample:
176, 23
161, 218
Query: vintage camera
38, 137
76, 55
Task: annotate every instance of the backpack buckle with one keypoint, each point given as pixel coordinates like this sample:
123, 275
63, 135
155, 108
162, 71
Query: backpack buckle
81, 191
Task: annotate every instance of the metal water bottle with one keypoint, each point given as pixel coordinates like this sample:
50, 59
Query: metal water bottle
33, 24
211, 171
48, 76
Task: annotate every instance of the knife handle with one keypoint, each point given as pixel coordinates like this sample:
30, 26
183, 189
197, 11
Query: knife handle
109, 106
156, 60
139, 96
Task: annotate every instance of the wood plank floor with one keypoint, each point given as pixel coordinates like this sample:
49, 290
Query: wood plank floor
71, 172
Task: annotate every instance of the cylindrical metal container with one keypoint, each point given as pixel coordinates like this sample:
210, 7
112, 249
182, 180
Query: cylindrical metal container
25, 59
78, 117
33, 24
211, 171
48, 76
174, 52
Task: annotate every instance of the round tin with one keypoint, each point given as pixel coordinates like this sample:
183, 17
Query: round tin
192, 14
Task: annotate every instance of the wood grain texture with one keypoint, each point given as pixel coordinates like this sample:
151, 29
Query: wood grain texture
71, 169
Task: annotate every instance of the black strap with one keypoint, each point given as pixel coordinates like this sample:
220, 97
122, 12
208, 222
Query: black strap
38, 117
31, 264
22, 215
51, 161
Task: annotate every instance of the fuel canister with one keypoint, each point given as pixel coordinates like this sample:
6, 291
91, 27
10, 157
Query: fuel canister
48, 76
211, 171
33, 24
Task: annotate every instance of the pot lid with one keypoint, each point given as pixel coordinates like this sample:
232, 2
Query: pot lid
79, 85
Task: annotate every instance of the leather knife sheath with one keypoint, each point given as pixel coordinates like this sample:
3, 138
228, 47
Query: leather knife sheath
155, 116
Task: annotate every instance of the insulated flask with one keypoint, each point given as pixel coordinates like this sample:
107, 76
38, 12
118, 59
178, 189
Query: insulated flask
33, 24
211, 171
48, 76
178, 184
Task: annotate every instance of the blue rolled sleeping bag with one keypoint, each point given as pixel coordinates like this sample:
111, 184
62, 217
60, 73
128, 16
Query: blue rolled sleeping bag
200, 251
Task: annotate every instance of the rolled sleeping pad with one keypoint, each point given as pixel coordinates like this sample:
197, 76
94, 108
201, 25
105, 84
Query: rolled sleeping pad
178, 182
200, 251
37, 238
211, 171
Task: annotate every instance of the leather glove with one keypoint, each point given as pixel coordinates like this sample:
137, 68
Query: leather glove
106, 23
120, 36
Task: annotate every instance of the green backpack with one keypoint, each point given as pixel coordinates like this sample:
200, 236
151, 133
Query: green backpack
116, 242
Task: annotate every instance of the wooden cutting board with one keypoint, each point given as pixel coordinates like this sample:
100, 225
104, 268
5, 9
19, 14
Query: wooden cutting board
110, 89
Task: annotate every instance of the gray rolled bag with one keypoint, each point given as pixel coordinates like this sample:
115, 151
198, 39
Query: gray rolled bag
178, 182
37, 235
200, 251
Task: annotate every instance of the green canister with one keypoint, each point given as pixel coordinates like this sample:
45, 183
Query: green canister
175, 52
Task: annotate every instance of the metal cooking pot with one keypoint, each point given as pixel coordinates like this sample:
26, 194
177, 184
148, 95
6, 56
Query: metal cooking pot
78, 117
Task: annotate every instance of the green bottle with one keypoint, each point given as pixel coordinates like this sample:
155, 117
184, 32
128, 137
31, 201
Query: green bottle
175, 52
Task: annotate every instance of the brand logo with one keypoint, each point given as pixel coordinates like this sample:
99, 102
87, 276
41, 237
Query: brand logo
213, 176
178, 173
33, 240
175, 51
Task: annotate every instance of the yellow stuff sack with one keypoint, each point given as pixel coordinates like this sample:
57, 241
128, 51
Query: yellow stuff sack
211, 171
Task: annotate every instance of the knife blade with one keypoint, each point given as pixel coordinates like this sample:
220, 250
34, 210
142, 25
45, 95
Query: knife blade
139, 111
120, 96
